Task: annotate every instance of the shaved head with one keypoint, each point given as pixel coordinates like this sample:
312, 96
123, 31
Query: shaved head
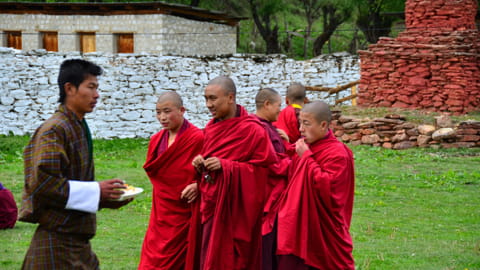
225, 83
320, 111
171, 96
296, 93
266, 94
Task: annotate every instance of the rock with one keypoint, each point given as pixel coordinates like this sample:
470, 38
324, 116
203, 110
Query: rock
350, 125
443, 121
404, 145
422, 140
370, 139
412, 132
399, 137
426, 129
443, 133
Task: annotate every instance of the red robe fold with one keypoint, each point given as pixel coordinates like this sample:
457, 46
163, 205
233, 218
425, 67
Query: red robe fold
234, 201
316, 209
165, 244
288, 122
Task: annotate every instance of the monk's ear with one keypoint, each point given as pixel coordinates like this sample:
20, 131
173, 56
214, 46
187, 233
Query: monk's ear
265, 103
182, 110
231, 98
287, 101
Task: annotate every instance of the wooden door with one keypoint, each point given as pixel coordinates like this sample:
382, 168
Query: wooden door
87, 42
50, 41
125, 43
14, 40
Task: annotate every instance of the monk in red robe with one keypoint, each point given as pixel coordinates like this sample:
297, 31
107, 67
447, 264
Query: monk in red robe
268, 103
233, 162
316, 208
288, 117
8, 209
169, 167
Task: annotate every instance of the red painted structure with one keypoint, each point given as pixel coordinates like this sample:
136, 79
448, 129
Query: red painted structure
433, 65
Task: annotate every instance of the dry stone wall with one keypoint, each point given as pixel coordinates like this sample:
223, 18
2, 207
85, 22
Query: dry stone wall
131, 84
434, 64
394, 132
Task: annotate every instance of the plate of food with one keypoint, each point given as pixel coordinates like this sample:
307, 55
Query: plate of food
129, 192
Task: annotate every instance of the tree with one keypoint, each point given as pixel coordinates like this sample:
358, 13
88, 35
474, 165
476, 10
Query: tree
312, 12
372, 20
264, 14
334, 13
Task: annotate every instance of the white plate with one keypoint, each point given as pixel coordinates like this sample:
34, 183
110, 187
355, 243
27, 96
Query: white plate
130, 194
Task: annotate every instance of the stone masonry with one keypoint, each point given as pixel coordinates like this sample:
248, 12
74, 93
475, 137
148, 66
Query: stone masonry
153, 33
131, 84
434, 64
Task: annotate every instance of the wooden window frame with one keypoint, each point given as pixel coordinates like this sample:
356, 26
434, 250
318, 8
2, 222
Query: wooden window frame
125, 48
17, 39
82, 36
45, 43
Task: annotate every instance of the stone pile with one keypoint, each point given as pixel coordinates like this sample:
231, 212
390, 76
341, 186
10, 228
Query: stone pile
394, 132
434, 64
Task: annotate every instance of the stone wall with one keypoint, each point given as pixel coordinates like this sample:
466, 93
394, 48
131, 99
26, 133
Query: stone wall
434, 64
394, 132
153, 33
128, 89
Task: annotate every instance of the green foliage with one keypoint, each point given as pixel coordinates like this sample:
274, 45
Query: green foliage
414, 209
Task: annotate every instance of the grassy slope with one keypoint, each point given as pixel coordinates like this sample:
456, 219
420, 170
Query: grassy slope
414, 209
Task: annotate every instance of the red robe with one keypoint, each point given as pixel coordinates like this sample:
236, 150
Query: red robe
165, 244
316, 209
234, 201
8, 209
288, 122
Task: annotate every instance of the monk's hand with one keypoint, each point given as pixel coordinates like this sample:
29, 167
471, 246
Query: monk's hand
283, 134
111, 189
301, 147
198, 163
212, 164
190, 193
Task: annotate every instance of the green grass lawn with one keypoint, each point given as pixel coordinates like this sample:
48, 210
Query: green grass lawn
414, 209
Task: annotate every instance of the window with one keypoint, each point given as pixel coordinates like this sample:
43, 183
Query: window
87, 42
125, 43
50, 41
14, 39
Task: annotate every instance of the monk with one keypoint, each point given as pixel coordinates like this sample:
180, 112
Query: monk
60, 191
233, 162
288, 117
169, 167
316, 208
268, 103
8, 209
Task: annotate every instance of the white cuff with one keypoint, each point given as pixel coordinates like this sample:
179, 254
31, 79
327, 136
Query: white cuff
83, 196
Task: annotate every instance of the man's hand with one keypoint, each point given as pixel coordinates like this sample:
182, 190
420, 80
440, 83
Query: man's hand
283, 134
198, 163
301, 147
111, 189
212, 164
190, 193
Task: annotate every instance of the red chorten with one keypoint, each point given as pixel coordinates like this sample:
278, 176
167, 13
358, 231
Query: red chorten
433, 65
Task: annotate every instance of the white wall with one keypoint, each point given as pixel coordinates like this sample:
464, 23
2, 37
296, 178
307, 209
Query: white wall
131, 84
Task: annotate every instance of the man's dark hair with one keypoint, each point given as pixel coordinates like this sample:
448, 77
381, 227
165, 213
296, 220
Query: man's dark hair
75, 71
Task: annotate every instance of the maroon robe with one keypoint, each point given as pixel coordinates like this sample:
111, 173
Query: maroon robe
231, 207
170, 170
316, 209
288, 122
8, 209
